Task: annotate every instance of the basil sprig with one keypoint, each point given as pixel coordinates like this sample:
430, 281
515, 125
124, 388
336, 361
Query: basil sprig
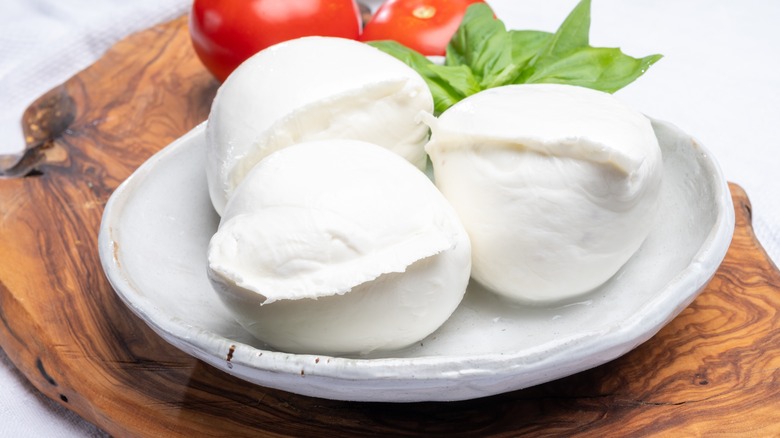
484, 54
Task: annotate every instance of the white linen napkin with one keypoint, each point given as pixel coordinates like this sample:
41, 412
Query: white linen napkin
42, 44
45, 42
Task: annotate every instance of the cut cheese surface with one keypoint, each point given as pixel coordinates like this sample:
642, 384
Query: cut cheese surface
312, 88
339, 246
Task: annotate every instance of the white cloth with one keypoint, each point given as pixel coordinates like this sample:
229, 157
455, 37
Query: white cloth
42, 44
718, 81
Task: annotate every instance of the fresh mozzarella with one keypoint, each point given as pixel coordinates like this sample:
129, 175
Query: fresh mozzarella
312, 88
339, 247
556, 185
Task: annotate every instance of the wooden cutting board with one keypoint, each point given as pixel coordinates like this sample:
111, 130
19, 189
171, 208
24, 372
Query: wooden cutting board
714, 369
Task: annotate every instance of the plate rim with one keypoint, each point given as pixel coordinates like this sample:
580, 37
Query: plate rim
686, 286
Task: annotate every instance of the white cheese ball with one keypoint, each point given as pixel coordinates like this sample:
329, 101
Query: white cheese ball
557, 186
339, 247
312, 88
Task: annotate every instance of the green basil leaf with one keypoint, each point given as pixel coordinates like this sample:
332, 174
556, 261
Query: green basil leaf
573, 33
483, 44
526, 44
483, 54
605, 69
448, 84
478, 24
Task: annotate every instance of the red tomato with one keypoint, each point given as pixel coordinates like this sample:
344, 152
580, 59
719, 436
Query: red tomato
423, 25
226, 32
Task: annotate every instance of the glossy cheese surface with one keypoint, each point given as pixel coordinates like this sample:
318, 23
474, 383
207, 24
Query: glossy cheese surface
556, 185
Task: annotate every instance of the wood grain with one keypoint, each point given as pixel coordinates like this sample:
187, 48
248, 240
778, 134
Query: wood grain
714, 370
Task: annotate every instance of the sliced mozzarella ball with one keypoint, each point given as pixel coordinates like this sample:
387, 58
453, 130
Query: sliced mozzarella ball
339, 247
556, 185
312, 88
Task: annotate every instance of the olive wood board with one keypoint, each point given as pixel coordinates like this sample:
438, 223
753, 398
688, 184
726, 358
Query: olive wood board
715, 369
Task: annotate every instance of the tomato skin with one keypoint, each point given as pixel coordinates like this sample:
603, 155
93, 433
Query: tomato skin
423, 25
224, 33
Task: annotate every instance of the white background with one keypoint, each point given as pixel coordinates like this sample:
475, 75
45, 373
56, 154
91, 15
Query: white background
718, 81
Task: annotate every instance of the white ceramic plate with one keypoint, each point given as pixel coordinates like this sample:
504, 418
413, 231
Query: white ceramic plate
157, 225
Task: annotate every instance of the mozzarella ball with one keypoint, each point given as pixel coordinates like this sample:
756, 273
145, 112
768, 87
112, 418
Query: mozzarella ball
557, 186
312, 88
339, 247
